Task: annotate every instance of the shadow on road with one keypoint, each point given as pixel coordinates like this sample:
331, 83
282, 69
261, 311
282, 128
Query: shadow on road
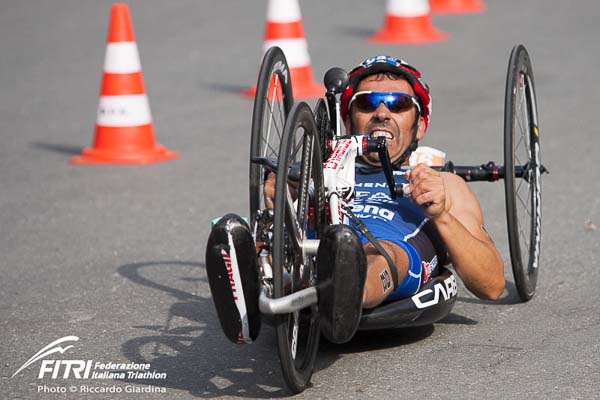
58, 148
365, 341
191, 349
195, 355
511, 296
455, 319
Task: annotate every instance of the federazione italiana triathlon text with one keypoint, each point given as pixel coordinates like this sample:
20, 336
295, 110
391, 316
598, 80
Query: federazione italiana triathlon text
88, 369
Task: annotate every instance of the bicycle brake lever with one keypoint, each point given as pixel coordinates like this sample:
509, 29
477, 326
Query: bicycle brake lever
271, 165
268, 163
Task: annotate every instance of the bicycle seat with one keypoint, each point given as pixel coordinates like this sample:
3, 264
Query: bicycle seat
432, 303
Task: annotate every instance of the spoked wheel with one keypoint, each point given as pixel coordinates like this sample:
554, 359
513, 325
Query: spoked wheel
272, 104
323, 126
298, 215
522, 160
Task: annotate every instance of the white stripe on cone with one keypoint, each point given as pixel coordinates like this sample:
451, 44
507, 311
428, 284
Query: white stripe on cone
122, 58
408, 8
282, 11
295, 50
122, 111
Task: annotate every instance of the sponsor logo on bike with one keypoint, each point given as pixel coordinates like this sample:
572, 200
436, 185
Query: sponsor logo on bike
280, 65
447, 289
339, 152
227, 261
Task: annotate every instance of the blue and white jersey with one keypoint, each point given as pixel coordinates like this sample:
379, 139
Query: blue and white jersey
400, 221
387, 219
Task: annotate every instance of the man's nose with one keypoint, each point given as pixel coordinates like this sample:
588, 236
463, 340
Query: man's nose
382, 113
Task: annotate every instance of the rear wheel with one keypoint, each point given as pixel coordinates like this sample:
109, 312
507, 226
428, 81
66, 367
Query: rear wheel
522, 153
272, 104
298, 215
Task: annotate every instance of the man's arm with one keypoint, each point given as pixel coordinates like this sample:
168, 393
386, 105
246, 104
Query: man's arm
454, 210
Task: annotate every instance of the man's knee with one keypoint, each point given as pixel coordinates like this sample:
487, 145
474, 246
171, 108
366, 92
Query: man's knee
380, 282
397, 254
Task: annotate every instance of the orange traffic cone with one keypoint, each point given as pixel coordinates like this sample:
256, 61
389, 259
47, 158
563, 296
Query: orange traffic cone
408, 21
457, 6
124, 133
284, 29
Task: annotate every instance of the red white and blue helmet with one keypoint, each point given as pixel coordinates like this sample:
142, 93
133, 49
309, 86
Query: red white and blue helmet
380, 64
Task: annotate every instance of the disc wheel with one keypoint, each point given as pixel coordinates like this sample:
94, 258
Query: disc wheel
298, 215
272, 103
523, 169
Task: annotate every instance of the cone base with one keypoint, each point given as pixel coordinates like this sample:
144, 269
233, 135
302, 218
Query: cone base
441, 7
96, 156
416, 30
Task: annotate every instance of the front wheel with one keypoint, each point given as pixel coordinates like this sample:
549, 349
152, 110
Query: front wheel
272, 104
522, 156
298, 215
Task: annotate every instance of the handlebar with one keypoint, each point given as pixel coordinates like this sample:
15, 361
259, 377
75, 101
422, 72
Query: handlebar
489, 172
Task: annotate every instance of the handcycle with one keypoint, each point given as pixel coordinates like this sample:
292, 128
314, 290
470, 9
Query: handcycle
313, 164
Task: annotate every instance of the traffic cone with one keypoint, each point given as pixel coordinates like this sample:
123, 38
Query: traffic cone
409, 22
124, 133
284, 29
457, 6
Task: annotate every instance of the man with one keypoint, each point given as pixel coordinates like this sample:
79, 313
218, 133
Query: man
438, 221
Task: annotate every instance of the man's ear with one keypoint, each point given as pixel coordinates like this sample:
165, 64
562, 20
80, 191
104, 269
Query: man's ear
421, 129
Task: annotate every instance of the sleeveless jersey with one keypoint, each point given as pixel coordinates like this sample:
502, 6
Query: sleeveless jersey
400, 221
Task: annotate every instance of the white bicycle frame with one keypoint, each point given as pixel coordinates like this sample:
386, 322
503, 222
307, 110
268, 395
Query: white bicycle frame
338, 181
338, 176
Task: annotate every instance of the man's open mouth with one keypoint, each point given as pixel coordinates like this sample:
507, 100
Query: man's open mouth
377, 133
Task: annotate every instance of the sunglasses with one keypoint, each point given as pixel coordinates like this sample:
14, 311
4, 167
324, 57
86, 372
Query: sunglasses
396, 102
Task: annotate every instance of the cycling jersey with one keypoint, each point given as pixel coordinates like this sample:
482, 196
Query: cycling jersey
400, 221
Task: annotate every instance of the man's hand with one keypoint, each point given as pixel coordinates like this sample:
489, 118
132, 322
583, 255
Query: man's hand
427, 189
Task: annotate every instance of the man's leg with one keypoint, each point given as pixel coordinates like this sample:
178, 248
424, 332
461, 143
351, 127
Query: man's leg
379, 283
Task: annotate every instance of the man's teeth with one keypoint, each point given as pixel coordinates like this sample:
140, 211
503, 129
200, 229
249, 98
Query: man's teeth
385, 134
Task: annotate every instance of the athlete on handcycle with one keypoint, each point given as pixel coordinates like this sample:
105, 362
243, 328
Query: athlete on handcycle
406, 239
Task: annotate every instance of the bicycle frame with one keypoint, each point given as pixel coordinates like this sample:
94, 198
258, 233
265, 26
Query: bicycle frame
338, 176
339, 181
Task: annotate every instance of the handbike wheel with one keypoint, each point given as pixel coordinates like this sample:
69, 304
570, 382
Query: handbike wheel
522, 156
323, 126
272, 104
298, 214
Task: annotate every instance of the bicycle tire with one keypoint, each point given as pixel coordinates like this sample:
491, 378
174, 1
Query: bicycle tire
272, 103
297, 333
324, 129
522, 146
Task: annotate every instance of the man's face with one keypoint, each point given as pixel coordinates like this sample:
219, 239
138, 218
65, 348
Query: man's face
396, 127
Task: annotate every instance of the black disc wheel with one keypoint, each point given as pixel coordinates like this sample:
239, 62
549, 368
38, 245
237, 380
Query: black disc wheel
523, 170
298, 215
272, 104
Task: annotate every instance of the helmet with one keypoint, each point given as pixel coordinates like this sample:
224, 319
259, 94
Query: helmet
396, 66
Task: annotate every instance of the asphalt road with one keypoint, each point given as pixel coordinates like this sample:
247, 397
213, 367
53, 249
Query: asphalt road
115, 255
